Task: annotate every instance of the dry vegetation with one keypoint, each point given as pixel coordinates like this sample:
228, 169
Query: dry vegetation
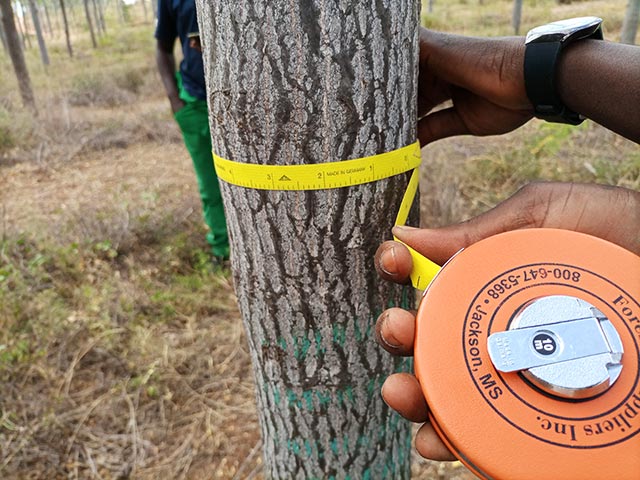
121, 349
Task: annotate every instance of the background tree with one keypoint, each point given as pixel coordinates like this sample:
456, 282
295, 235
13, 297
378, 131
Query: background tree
630, 24
89, 23
17, 55
99, 21
65, 22
42, 6
517, 16
26, 40
3, 39
44, 55
338, 82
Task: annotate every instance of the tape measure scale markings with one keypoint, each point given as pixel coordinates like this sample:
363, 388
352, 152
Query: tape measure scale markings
346, 173
319, 176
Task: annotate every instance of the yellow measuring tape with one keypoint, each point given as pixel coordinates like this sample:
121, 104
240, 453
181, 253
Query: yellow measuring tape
347, 173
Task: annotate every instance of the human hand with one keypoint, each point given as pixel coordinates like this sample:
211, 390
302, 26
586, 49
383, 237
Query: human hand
484, 78
611, 213
176, 104
195, 43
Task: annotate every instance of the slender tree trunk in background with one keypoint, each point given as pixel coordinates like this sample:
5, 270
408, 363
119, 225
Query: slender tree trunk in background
18, 25
17, 55
103, 25
3, 38
56, 16
89, 23
66, 27
44, 55
517, 16
339, 82
47, 18
630, 24
431, 2
154, 8
25, 25
96, 18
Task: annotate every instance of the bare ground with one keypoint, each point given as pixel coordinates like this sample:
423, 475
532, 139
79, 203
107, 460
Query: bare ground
108, 395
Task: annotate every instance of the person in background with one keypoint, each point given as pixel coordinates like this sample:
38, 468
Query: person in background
486, 82
187, 96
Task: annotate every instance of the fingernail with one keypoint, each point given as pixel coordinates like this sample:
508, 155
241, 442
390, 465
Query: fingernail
386, 338
398, 229
388, 263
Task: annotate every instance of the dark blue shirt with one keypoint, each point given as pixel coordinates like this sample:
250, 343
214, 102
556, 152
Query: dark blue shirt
177, 18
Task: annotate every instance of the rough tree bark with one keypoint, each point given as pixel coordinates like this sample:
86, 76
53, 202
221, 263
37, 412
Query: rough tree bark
89, 23
17, 55
630, 24
44, 55
517, 16
67, 37
310, 82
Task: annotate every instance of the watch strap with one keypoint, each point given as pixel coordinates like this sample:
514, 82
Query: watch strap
540, 64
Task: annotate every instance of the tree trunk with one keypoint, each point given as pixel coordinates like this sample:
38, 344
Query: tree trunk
56, 16
517, 16
47, 18
89, 23
3, 37
154, 8
339, 82
25, 26
66, 27
44, 55
103, 24
630, 24
431, 2
96, 18
17, 55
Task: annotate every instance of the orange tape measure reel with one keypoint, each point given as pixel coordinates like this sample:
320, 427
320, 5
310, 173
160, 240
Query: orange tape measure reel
527, 350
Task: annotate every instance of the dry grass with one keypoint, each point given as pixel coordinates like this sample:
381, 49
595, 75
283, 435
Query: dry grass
121, 350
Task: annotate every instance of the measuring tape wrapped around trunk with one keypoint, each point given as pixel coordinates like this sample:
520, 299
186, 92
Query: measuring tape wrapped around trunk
527, 343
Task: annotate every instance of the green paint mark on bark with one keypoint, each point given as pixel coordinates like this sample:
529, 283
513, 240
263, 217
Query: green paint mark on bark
308, 398
302, 346
339, 335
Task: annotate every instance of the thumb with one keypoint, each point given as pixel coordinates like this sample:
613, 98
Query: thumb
440, 244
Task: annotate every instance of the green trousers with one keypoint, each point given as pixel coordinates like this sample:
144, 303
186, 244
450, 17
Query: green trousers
194, 123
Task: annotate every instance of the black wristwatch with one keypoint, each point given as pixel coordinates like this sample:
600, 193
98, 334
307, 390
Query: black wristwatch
543, 47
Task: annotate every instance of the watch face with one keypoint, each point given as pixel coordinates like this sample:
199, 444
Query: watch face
562, 30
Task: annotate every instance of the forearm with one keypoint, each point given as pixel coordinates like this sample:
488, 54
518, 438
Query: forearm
601, 80
167, 68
